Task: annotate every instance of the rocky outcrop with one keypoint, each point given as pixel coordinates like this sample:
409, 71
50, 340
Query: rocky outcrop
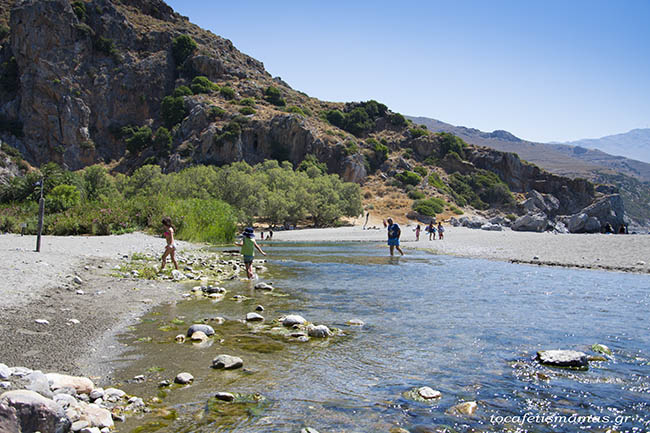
531, 223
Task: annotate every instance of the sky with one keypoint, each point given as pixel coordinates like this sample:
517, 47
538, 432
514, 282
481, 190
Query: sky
544, 70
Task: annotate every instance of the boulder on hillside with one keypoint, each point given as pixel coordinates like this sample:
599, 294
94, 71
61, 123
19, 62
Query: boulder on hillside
530, 223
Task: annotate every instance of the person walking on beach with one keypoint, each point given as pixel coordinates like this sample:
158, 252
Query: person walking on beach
432, 231
366, 223
170, 248
417, 233
394, 232
441, 230
248, 246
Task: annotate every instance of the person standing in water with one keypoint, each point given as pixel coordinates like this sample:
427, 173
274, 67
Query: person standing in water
248, 246
170, 248
394, 232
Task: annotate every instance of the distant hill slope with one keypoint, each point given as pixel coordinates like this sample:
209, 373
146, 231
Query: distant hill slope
634, 144
631, 176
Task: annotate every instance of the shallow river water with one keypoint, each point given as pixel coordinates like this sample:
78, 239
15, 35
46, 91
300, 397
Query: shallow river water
467, 328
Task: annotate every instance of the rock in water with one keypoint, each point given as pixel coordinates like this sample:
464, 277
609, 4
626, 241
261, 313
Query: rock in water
254, 317
224, 396
227, 362
563, 358
184, 378
601, 348
206, 329
293, 319
263, 286
82, 385
428, 393
320, 331
199, 336
467, 408
355, 322
33, 412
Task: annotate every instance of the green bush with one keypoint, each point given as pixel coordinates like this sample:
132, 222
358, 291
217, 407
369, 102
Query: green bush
480, 189
273, 96
248, 102
182, 47
455, 210
417, 132
430, 206
162, 140
408, 178
173, 110
351, 147
421, 170
336, 118
227, 93
4, 31
396, 119
312, 161
449, 143
202, 84
62, 198
79, 9
358, 121
229, 133
216, 112
435, 181
246, 111
416, 195
511, 217
297, 110
204, 220
105, 45
139, 139
182, 91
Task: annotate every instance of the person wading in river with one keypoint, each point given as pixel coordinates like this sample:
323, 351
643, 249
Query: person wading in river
248, 247
394, 232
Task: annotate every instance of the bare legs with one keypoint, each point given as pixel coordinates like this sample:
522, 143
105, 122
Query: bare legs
171, 252
392, 249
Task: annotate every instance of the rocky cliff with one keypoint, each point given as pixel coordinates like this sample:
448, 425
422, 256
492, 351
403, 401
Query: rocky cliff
131, 82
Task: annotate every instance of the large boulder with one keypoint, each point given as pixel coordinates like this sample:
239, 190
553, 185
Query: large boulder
34, 412
82, 385
563, 358
531, 223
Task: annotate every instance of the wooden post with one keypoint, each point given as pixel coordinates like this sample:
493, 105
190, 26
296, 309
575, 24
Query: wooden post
41, 212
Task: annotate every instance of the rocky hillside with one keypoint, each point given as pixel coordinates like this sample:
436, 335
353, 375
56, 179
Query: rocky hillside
131, 82
632, 177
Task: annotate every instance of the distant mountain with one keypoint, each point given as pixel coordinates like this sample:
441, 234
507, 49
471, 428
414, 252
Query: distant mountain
631, 176
634, 144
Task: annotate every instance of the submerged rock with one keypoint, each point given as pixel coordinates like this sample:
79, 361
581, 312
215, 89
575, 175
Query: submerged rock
293, 319
184, 378
601, 348
563, 358
263, 286
429, 393
206, 329
227, 362
355, 322
463, 409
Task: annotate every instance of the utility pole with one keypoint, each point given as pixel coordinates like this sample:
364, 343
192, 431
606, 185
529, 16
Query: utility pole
41, 212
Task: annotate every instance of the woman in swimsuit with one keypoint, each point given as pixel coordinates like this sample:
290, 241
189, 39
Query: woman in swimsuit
170, 248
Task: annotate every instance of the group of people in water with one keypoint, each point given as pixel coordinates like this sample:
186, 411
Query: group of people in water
249, 245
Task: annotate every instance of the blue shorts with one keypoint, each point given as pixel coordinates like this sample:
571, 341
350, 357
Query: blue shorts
248, 259
393, 242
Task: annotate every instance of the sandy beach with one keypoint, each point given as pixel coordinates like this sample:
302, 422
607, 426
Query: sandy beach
41, 286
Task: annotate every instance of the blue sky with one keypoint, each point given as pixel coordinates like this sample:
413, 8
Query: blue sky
544, 70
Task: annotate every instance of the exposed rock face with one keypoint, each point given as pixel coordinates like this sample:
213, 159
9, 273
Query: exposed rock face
531, 223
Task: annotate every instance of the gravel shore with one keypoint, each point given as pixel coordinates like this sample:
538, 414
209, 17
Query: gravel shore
629, 253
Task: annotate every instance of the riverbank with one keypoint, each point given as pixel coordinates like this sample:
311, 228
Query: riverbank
628, 253
70, 287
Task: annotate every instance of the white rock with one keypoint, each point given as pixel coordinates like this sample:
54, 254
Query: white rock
65, 400
5, 372
263, 286
180, 338
177, 275
96, 393
113, 394
467, 408
254, 317
355, 322
74, 321
77, 280
90, 430
5, 385
80, 292
293, 319
183, 378
82, 385
428, 393
79, 425
42, 322
224, 396
199, 336
563, 358
97, 416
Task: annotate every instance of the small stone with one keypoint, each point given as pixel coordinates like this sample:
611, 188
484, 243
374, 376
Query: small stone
640, 263
227, 362
80, 292
180, 338
5, 385
563, 358
320, 331
263, 286
206, 329
90, 430
73, 321
601, 348
355, 322
42, 322
163, 383
428, 393
535, 257
597, 358
199, 336
467, 408
139, 378
224, 396
183, 378
259, 308
254, 317
308, 430
79, 425
77, 280
293, 319
96, 393
115, 394
177, 275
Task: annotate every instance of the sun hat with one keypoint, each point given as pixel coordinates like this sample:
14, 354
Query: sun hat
249, 232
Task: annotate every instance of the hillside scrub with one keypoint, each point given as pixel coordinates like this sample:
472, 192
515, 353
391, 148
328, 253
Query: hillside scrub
205, 203
481, 189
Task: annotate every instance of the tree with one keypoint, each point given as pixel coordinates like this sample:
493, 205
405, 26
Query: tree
182, 47
173, 110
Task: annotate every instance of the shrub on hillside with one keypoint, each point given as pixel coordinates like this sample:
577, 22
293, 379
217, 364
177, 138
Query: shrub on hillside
216, 112
229, 133
273, 96
450, 143
105, 45
162, 141
296, 110
172, 110
202, 84
418, 132
182, 91
336, 118
429, 206
138, 138
182, 47
408, 178
227, 92
247, 111
248, 102
420, 170
79, 9
62, 198
4, 31
416, 195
